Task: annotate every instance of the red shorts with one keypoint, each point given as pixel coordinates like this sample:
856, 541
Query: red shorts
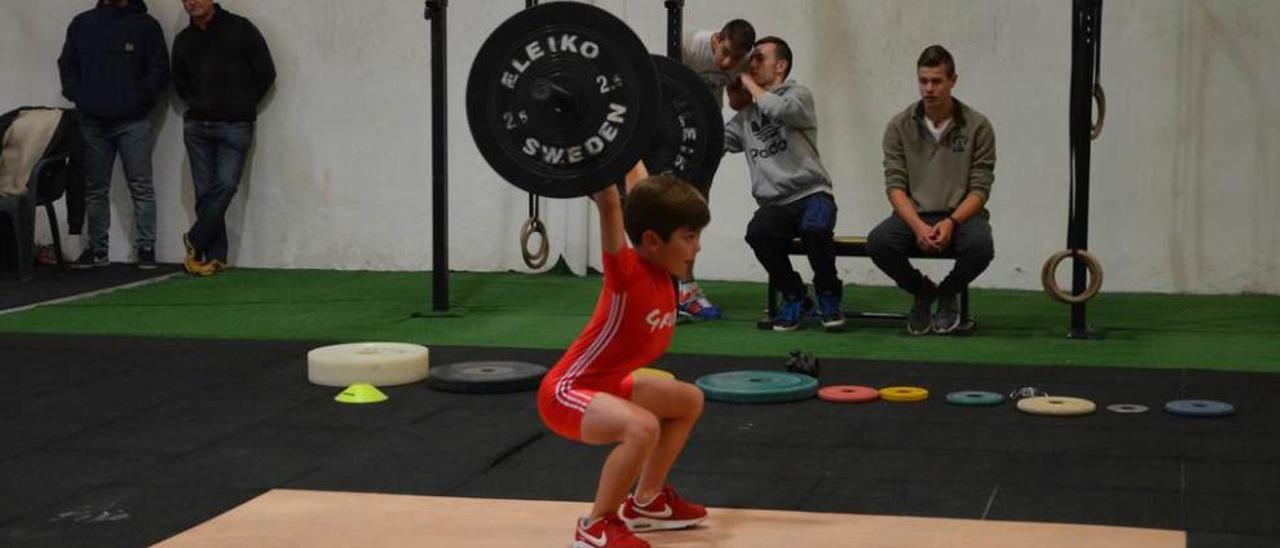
562, 407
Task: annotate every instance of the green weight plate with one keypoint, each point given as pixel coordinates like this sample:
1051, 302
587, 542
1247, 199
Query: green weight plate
974, 398
757, 386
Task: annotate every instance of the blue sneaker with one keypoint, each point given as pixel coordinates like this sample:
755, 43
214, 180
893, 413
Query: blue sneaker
830, 311
694, 304
791, 312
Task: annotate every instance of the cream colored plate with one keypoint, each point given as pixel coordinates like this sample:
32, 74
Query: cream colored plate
376, 363
1056, 405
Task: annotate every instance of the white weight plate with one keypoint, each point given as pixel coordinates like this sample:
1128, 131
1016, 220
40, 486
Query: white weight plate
1056, 405
376, 363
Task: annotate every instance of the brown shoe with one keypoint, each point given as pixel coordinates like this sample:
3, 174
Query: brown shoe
197, 268
191, 249
218, 265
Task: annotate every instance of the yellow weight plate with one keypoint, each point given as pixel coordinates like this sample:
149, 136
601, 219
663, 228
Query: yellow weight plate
1062, 406
651, 372
904, 393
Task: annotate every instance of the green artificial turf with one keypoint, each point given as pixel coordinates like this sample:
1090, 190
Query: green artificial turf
548, 310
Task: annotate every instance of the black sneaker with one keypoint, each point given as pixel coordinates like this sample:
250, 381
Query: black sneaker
920, 321
146, 258
89, 259
947, 318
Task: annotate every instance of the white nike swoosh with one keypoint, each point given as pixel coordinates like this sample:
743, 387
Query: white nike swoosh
601, 540
665, 513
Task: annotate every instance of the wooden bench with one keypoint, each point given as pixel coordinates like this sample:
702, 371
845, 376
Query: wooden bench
856, 246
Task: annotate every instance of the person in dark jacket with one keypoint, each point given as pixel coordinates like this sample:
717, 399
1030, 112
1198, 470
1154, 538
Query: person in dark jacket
113, 67
221, 69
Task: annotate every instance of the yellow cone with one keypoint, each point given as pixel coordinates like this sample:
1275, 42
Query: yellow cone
361, 392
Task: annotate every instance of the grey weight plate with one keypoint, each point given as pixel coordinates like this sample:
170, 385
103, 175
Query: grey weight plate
1127, 408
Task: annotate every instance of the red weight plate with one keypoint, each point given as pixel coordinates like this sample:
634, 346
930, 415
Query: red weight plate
848, 394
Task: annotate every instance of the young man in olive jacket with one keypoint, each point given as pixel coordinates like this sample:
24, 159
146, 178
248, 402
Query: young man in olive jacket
939, 165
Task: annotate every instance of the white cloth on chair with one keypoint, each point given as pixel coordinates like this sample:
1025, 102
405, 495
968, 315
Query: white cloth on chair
22, 146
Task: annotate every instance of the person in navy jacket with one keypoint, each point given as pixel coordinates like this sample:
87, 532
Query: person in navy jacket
113, 66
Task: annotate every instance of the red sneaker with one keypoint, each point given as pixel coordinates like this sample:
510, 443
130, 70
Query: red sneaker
608, 531
665, 511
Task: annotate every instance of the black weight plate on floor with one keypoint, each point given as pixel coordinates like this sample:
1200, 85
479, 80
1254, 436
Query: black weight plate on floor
486, 377
562, 99
689, 141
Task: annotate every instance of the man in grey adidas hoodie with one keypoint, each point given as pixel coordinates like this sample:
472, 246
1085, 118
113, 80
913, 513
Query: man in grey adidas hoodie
776, 128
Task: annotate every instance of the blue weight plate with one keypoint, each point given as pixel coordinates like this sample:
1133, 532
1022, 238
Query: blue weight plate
1200, 408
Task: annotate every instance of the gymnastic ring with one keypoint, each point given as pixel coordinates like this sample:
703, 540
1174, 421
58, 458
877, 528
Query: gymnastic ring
1101, 98
1050, 281
534, 259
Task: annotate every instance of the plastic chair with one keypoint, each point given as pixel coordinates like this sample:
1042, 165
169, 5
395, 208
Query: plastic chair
46, 184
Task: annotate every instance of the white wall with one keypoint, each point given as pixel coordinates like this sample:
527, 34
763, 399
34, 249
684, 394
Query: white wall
1184, 176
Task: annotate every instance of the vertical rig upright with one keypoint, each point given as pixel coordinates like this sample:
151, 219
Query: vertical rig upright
1086, 35
435, 12
675, 18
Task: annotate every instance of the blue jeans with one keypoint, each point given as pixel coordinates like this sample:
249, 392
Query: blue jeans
217, 152
132, 140
813, 220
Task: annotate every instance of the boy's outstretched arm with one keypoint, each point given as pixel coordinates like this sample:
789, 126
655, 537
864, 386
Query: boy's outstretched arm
613, 236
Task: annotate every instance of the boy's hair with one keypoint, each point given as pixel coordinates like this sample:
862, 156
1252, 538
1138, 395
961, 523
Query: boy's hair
741, 35
934, 56
663, 203
783, 51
